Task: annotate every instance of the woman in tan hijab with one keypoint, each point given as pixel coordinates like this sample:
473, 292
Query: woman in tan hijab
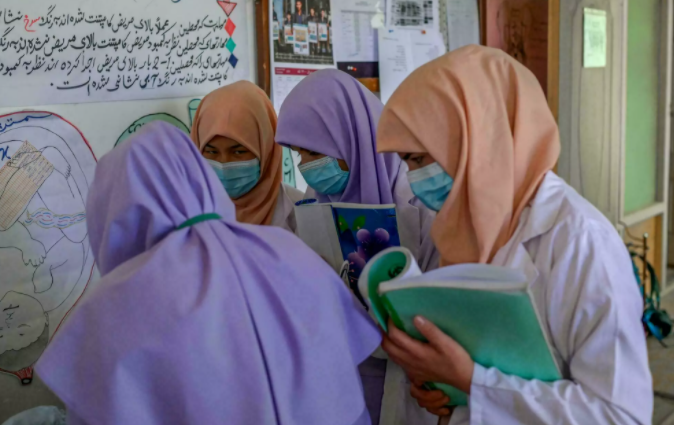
481, 143
234, 128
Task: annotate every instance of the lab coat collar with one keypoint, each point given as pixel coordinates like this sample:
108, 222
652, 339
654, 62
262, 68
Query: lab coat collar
541, 214
536, 219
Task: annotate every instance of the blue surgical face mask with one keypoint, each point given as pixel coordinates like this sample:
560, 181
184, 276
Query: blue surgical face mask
431, 185
325, 176
238, 178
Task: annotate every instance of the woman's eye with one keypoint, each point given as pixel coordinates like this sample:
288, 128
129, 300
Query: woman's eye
418, 160
240, 152
314, 153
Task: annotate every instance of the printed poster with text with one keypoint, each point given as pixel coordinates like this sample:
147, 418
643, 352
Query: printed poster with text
94, 51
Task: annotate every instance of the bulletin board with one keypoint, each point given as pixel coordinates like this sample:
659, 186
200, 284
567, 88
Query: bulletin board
527, 29
77, 79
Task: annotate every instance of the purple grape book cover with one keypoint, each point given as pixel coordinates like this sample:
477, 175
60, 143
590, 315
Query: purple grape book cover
363, 233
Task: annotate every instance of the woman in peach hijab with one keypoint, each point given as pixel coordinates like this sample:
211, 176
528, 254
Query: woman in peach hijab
234, 129
481, 144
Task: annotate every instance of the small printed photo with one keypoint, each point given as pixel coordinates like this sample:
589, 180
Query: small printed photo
301, 31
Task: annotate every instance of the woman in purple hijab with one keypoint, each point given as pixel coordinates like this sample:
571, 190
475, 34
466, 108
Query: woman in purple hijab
199, 319
331, 120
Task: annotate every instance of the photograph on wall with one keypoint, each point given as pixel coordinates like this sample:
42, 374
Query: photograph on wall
306, 27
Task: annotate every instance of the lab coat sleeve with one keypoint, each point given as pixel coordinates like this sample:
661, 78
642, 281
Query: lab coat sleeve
284, 216
594, 310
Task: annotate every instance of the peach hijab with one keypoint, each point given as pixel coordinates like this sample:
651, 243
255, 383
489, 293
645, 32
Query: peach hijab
484, 118
243, 112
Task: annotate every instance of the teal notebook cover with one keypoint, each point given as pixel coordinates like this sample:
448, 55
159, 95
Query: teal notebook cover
498, 328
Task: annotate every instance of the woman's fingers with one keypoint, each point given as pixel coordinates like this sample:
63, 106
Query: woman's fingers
440, 412
402, 340
429, 399
422, 394
397, 354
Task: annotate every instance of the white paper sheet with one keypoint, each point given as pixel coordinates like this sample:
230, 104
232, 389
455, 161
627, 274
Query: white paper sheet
403, 51
45, 259
594, 38
358, 5
284, 80
356, 40
463, 23
93, 51
413, 14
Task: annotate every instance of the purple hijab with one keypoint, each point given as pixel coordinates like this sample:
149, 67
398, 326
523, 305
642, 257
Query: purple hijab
331, 113
221, 322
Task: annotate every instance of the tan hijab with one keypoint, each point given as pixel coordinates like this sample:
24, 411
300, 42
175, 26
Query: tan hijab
243, 112
484, 118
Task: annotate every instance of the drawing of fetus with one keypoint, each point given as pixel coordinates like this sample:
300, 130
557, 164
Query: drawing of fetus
515, 25
42, 215
24, 333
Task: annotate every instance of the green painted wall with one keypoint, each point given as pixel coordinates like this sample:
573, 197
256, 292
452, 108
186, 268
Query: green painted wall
642, 104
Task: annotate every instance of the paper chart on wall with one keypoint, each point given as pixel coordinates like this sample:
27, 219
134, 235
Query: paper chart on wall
356, 38
413, 14
46, 167
463, 23
118, 50
403, 51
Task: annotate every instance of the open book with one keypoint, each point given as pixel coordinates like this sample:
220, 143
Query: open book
487, 309
346, 235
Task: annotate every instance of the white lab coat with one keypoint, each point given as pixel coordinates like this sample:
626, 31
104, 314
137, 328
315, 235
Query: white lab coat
284, 214
397, 406
587, 298
414, 222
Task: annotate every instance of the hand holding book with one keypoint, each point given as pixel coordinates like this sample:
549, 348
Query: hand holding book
440, 360
442, 323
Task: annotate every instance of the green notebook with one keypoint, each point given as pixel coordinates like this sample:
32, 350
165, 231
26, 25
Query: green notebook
487, 309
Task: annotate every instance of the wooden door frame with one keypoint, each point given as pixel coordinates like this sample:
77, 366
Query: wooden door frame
553, 58
263, 51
